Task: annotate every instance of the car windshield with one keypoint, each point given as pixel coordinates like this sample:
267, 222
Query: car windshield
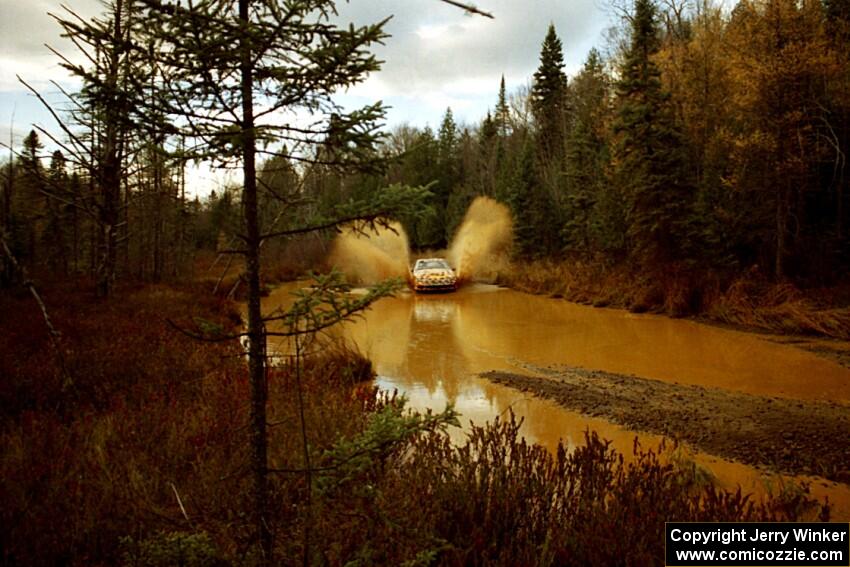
431, 265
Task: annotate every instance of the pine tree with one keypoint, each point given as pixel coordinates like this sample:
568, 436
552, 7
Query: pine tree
233, 66
447, 138
449, 175
535, 224
696, 68
548, 102
418, 166
104, 118
29, 206
587, 154
503, 113
521, 197
489, 143
489, 130
649, 159
55, 235
548, 98
498, 162
30, 154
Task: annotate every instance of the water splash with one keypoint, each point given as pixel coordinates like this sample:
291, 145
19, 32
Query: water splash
481, 246
479, 250
372, 257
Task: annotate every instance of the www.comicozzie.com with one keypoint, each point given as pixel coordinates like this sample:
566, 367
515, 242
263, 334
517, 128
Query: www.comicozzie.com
757, 544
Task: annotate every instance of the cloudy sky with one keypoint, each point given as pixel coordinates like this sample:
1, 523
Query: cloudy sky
437, 56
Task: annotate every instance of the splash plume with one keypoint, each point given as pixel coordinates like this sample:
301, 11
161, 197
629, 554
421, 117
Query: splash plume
479, 250
371, 258
481, 246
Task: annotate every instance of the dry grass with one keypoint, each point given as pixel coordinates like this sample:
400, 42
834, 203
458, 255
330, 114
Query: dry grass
778, 307
84, 466
294, 258
91, 476
601, 285
749, 301
152, 412
282, 262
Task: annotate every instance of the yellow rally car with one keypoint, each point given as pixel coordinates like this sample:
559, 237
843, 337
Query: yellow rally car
433, 274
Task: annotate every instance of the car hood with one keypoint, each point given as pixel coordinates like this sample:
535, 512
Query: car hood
433, 273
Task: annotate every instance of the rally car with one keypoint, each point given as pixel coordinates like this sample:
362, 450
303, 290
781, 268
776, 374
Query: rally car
433, 274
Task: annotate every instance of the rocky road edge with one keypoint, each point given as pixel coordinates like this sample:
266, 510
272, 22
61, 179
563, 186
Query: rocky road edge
789, 436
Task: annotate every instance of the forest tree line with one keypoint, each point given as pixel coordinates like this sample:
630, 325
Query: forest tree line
705, 137
708, 137
50, 213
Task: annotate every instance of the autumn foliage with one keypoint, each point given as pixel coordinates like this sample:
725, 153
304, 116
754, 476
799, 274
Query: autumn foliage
143, 459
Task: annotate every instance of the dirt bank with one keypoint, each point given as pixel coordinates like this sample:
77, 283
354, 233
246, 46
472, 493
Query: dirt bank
831, 349
750, 301
789, 436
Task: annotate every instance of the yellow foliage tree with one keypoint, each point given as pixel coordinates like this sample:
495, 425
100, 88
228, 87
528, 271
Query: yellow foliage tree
780, 61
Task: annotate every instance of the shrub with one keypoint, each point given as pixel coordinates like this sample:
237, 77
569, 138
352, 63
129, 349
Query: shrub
146, 461
169, 549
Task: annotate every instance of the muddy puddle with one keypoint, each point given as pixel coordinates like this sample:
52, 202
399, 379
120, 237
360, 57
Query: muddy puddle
432, 348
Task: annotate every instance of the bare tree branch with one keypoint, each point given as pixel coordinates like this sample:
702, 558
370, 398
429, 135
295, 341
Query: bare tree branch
55, 336
326, 226
469, 8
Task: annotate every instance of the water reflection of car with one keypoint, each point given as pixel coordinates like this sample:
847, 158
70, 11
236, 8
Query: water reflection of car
433, 310
433, 274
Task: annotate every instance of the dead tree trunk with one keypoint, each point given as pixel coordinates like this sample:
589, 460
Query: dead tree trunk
111, 161
6, 270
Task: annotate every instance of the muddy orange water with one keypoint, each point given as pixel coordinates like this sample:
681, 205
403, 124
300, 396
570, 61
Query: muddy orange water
432, 347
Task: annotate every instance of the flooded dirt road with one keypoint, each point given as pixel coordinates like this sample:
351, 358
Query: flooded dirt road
792, 436
435, 348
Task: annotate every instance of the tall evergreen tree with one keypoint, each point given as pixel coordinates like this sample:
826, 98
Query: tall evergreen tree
503, 113
55, 234
587, 154
489, 130
417, 162
522, 197
548, 102
448, 137
31, 153
233, 67
548, 97
535, 225
696, 70
449, 174
498, 162
29, 206
106, 114
489, 142
649, 157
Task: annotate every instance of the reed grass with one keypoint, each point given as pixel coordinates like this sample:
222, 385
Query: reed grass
749, 300
92, 477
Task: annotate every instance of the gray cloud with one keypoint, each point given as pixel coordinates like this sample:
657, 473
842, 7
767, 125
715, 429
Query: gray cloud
26, 29
438, 56
434, 44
